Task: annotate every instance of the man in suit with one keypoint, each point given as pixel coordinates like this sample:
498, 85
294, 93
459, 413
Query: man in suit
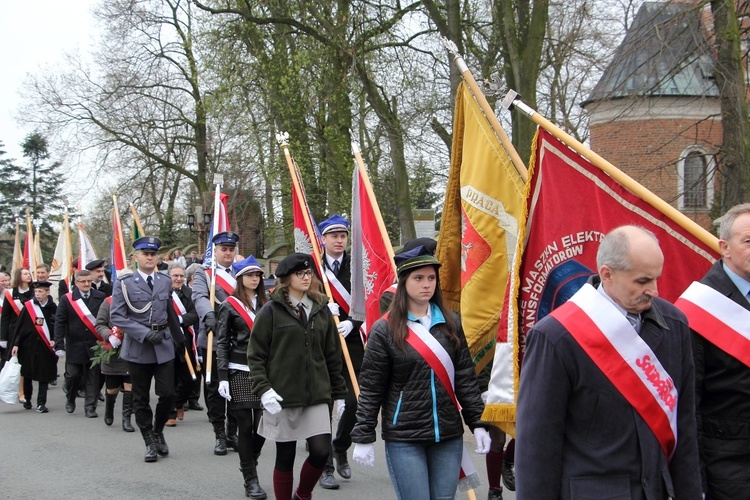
606, 404
193, 259
225, 248
722, 364
142, 309
75, 336
97, 273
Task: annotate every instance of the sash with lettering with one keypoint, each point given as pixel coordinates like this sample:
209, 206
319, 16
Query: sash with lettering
179, 308
244, 312
35, 313
439, 360
625, 359
83, 313
15, 304
225, 280
718, 319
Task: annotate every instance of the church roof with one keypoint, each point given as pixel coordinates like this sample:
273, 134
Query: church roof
664, 53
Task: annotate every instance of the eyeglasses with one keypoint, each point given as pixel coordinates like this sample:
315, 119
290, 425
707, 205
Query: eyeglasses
304, 274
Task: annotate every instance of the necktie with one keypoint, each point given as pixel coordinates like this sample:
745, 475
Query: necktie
85, 296
336, 267
150, 282
302, 314
633, 319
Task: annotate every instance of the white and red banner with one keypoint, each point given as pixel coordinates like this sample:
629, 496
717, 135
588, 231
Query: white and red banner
224, 280
86, 251
15, 304
118, 257
29, 255
219, 224
243, 311
718, 319
83, 313
62, 260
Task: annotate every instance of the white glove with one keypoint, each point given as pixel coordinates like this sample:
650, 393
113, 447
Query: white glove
224, 390
334, 308
484, 396
60, 354
340, 405
4, 344
346, 327
200, 360
270, 401
483, 440
114, 342
364, 454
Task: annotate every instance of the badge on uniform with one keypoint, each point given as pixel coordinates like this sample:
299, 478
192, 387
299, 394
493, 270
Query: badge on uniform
39, 321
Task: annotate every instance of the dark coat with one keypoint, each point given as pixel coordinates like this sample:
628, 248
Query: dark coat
71, 334
38, 362
232, 338
577, 435
354, 339
301, 363
401, 384
190, 318
115, 365
104, 287
722, 386
9, 319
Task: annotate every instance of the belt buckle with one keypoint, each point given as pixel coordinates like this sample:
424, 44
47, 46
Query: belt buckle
156, 328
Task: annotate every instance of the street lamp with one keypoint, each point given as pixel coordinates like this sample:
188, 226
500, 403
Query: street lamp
201, 227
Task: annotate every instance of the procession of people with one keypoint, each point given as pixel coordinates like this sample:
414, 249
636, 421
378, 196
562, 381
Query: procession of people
278, 373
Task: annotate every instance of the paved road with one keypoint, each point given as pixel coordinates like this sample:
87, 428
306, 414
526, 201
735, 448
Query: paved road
61, 455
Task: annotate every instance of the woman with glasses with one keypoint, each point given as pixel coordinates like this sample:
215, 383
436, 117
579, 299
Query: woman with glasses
295, 361
15, 297
236, 319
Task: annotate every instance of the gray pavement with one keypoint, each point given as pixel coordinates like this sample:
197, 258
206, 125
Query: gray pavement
61, 455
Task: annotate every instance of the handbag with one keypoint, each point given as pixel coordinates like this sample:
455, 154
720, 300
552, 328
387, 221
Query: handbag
10, 378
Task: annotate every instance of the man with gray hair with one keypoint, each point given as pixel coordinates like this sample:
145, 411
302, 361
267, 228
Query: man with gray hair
606, 400
719, 314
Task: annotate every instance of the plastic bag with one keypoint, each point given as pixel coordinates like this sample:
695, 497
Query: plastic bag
10, 378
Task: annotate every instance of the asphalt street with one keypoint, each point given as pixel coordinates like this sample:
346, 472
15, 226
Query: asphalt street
61, 455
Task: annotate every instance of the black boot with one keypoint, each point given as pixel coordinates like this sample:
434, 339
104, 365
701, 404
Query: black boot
127, 411
221, 439
252, 488
232, 440
109, 408
161, 445
509, 476
151, 453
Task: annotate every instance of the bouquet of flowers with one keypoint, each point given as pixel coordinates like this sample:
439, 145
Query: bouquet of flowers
103, 350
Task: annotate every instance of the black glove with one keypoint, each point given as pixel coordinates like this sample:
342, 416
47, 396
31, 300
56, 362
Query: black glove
154, 338
210, 321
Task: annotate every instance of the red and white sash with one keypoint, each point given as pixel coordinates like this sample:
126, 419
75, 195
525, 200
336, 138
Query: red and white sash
83, 313
15, 304
339, 293
179, 308
225, 280
40, 324
243, 311
625, 359
718, 319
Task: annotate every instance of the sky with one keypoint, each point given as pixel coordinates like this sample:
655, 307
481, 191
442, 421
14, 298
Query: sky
35, 34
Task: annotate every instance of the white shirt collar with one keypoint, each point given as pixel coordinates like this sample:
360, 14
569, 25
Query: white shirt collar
144, 275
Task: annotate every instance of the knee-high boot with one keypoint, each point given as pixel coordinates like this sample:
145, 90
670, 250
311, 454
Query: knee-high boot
250, 474
109, 407
127, 411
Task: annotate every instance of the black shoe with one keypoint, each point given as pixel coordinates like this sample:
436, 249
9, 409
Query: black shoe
342, 464
27, 405
495, 494
70, 406
91, 414
327, 480
221, 444
42, 409
195, 405
161, 445
53, 383
509, 476
100, 396
81, 393
233, 442
151, 453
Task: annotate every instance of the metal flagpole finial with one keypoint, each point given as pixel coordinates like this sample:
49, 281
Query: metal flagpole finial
355, 148
218, 179
282, 138
452, 48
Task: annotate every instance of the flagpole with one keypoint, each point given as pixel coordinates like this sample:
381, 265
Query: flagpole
119, 222
17, 254
30, 244
489, 113
137, 220
283, 140
68, 244
218, 180
512, 100
371, 194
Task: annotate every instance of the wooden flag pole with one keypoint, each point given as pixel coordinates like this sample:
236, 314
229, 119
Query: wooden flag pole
489, 113
512, 100
283, 140
137, 220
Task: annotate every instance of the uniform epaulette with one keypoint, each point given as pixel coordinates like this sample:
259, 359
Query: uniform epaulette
124, 274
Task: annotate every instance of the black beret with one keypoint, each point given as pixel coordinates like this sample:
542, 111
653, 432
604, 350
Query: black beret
94, 264
41, 284
292, 263
428, 243
414, 258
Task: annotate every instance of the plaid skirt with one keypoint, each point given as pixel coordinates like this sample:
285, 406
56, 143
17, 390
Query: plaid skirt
241, 390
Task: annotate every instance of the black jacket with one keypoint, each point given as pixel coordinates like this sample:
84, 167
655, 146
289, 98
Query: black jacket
9, 319
71, 334
38, 362
354, 339
233, 336
405, 387
190, 318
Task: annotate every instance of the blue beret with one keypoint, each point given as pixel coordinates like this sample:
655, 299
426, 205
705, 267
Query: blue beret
428, 243
148, 243
226, 238
249, 265
292, 263
334, 224
414, 258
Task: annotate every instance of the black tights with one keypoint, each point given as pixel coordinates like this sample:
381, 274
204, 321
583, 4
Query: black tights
250, 441
319, 447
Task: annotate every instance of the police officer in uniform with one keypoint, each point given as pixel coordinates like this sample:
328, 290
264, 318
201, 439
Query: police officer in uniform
225, 248
142, 309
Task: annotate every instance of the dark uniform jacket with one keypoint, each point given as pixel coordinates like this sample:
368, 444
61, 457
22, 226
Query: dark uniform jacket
190, 318
71, 334
722, 385
577, 435
416, 407
201, 298
232, 338
9, 319
38, 362
301, 363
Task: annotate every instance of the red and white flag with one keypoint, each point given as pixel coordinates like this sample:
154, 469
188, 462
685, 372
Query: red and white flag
219, 224
119, 258
304, 241
29, 256
62, 261
86, 251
